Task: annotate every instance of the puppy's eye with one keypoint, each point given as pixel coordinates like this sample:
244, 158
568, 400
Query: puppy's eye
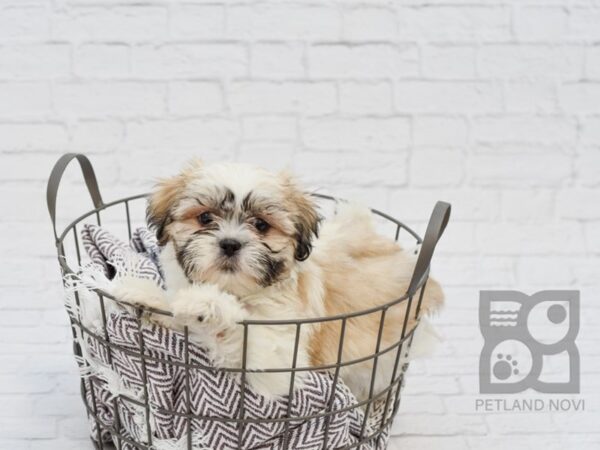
205, 218
261, 225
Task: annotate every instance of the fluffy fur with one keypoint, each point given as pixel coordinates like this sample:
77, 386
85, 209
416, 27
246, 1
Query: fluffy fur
281, 270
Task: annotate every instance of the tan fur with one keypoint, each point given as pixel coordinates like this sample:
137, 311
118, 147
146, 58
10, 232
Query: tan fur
350, 288
363, 271
166, 193
300, 203
351, 268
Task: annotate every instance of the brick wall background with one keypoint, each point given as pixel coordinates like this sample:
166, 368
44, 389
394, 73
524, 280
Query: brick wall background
493, 105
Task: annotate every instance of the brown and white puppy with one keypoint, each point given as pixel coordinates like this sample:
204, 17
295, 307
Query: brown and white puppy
240, 243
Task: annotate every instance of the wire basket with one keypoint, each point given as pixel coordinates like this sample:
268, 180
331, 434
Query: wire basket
388, 397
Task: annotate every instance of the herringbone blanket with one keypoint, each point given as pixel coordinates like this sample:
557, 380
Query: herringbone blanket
188, 400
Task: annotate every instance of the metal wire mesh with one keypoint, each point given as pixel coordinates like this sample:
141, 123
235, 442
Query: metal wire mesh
390, 396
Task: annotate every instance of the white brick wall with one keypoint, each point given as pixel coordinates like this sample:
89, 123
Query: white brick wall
493, 105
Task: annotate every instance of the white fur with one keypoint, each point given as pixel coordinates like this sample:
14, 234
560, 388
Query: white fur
220, 332
172, 271
213, 302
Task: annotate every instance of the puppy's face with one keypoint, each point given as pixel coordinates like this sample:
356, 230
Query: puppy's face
236, 226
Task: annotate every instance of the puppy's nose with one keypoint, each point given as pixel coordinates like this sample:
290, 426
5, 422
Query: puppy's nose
230, 246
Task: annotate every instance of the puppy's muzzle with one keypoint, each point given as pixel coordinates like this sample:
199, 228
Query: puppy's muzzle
230, 246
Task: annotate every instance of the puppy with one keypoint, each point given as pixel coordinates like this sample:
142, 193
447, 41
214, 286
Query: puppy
240, 243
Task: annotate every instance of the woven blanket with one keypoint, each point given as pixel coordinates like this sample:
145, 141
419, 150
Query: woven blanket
190, 401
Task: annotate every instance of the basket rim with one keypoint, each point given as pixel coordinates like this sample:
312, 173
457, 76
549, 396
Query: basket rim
67, 270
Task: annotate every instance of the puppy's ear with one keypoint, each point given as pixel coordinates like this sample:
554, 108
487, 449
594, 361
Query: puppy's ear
163, 197
306, 217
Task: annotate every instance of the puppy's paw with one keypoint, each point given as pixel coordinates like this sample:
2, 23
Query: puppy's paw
206, 304
139, 292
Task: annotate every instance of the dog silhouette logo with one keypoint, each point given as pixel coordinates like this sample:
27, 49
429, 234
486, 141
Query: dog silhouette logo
529, 342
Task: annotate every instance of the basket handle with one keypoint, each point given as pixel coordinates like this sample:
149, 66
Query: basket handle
437, 224
56, 175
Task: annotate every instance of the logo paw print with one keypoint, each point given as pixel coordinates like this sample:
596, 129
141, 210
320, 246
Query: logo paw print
505, 366
526, 338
